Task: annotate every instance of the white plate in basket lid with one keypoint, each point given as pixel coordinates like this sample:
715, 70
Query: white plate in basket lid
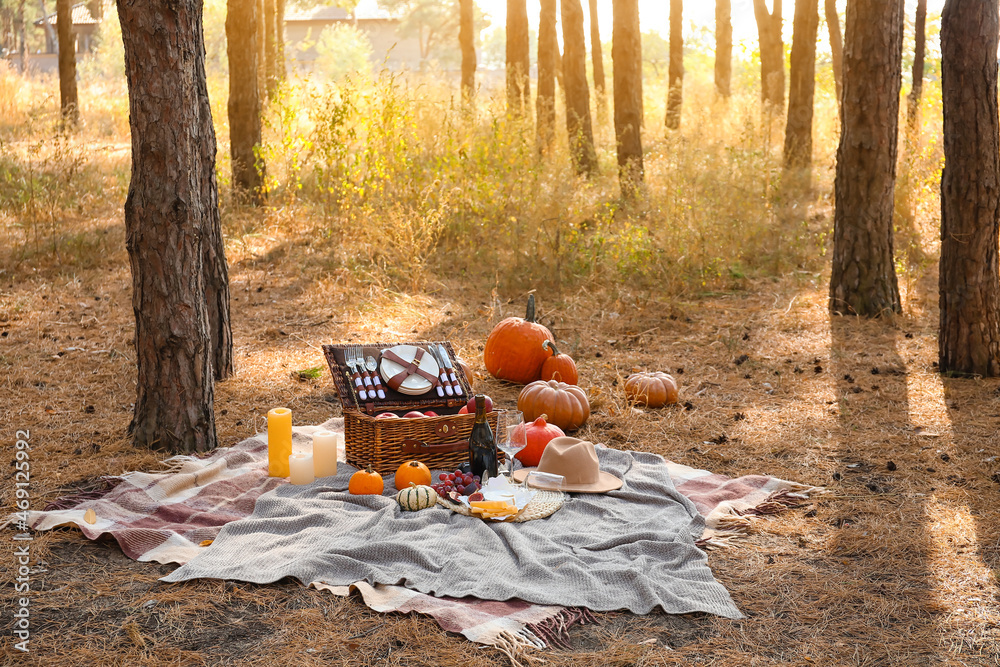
415, 383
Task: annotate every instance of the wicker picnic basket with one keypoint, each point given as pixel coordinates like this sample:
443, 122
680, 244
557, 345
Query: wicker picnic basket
385, 444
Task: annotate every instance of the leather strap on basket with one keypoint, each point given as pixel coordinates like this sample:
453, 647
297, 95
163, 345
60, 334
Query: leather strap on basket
413, 446
409, 368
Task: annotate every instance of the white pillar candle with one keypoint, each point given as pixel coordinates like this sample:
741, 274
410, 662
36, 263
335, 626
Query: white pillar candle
301, 467
325, 445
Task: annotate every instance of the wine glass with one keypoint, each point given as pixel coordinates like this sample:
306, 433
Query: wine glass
511, 439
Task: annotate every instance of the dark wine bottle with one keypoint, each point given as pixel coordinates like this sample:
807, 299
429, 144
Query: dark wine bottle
482, 446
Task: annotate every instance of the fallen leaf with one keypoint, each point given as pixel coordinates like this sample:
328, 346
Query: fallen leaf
205, 543
90, 516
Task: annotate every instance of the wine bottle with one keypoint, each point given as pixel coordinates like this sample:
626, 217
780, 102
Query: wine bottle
482, 446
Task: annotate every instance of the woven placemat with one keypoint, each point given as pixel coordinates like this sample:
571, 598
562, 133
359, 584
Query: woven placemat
542, 505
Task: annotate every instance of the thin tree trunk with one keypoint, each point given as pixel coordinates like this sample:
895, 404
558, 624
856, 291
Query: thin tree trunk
836, 52
68, 102
467, 41
261, 49
864, 277
244, 99
279, 40
597, 58
626, 56
969, 340
798, 128
919, 37
723, 47
675, 89
167, 217
548, 53
578, 123
270, 47
518, 58
772, 54
50, 34
23, 49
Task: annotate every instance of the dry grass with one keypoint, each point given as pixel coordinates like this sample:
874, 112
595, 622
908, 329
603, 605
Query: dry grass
894, 567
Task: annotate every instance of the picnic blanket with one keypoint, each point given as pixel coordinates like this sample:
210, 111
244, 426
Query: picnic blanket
164, 517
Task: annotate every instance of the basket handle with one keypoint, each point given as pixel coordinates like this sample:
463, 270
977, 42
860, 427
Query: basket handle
413, 446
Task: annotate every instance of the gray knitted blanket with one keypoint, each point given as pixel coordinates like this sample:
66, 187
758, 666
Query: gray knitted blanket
629, 549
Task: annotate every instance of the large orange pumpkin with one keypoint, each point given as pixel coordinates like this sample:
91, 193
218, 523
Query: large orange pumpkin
365, 482
538, 434
559, 366
412, 472
514, 348
653, 389
566, 405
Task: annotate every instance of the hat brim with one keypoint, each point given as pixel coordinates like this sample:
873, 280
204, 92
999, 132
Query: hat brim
606, 482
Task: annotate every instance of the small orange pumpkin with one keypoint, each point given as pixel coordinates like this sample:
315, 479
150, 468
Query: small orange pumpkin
566, 405
559, 366
514, 348
538, 434
412, 472
652, 389
365, 483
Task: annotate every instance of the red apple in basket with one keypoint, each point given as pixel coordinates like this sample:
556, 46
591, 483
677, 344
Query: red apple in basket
470, 407
430, 413
387, 415
413, 414
464, 410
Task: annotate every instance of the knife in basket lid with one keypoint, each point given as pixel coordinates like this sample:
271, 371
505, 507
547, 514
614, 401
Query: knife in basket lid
443, 386
451, 369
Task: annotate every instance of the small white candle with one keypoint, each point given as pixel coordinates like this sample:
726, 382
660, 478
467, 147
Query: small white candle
301, 467
325, 445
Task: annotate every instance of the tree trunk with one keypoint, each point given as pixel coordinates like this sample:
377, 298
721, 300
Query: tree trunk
581, 134
68, 103
167, 220
626, 57
864, 279
244, 99
772, 53
919, 38
261, 49
279, 40
270, 47
597, 58
518, 58
836, 52
723, 47
467, 40
675, 89
50, 35
969, 340
798, 128
548, 53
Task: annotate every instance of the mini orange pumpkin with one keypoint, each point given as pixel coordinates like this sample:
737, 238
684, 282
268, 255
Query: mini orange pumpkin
365, 483
559, 366
514, 348
538, 434
566, 405
412, 472
652, 389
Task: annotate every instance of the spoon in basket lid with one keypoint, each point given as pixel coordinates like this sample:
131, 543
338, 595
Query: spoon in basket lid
372, 366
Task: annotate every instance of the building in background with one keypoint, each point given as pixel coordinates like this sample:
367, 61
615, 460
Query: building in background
303, 29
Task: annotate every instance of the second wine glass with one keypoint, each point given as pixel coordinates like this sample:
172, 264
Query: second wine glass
511, 435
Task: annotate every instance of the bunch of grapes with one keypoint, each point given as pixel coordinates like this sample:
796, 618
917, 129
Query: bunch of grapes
465, 484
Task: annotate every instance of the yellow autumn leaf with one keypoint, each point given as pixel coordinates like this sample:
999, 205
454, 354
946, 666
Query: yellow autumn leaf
205, 543
90, 516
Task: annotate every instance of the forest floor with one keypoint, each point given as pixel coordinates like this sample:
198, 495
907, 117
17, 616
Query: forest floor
896, 565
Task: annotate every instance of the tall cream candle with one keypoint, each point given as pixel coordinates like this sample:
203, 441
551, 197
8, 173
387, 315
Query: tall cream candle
301, 469
325, 445
279, 441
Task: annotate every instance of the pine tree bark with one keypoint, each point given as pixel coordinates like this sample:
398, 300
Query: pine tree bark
261, 49
802, 77
626, 57
578, 122
723, 47
279, 40
548, 53
864, 278
597, 58
919, 40
836, 51
270, 47
969, 339
772, 53
518, 58
244, 99
167, 219
69, 104
467, 41
675, 75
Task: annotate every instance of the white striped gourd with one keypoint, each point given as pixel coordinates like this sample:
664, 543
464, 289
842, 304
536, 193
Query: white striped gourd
416, 498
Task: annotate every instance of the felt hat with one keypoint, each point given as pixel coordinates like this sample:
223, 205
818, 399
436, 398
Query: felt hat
576, 460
